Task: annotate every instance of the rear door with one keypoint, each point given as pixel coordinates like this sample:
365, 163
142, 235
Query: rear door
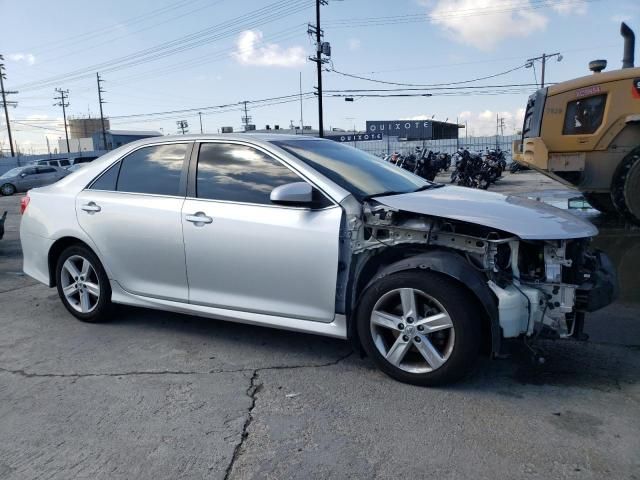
29, 178
132, 214
46, 175
245, 253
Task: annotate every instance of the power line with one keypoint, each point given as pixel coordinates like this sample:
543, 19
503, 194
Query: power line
461, 13
351, 75
270, 13
211, 107
353, 90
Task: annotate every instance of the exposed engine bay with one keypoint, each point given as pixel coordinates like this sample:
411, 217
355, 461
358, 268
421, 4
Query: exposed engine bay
538, 285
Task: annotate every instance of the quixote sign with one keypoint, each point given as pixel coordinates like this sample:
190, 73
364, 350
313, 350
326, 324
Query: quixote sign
355, 137
414, 129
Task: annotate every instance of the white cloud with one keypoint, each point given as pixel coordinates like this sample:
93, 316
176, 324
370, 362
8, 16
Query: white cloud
354, 44
248, 52
488, 30
29, 58
484, 123
578, 8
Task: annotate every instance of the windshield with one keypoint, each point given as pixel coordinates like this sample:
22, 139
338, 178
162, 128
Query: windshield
14, 172
358, 172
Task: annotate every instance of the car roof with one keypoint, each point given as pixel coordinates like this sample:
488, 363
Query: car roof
250, 137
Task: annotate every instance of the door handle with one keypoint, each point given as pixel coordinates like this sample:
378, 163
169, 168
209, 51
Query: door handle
91, 207
199, 218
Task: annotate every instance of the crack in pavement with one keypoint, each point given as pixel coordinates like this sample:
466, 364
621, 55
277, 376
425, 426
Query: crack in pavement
252, 392
24, 373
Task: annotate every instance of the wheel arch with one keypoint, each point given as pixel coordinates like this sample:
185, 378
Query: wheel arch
56, 250
442, 262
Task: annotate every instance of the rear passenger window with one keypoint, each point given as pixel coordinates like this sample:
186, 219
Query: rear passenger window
64, 163
154, 170
107, 181
239, 173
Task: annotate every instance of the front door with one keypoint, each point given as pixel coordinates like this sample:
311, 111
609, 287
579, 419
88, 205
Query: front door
245, 253
132, 214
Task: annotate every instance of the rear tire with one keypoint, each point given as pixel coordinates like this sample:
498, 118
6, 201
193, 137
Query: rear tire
83, 285
625, 191
431, 340
7, 189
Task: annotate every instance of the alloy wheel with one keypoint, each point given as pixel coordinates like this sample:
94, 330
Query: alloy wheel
412, 330
80, 284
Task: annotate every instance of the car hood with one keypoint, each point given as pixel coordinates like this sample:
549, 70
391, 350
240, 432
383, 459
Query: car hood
528, 219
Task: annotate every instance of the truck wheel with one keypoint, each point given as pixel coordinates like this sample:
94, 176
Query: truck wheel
625, 190
419, 328
601, 202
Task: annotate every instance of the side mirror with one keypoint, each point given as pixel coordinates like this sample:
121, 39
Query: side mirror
296, 193
22, 175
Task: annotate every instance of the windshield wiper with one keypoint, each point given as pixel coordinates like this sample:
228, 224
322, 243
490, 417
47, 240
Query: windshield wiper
429, 186
381, 194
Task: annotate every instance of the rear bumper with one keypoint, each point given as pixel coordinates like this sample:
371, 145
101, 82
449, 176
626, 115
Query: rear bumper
35, 250
602, 287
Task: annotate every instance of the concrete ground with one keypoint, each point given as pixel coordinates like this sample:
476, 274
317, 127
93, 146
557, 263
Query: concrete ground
158, 395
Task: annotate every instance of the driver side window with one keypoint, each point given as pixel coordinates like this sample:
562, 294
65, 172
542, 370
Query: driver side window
239, 173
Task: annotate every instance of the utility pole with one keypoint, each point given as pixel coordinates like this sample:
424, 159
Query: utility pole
321, 48
543, 59
63, 95
301, 120
246, 119
183, 125
200, 115
101, 101
4, 104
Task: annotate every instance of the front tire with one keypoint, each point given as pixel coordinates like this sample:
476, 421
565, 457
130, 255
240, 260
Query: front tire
419, 328
83, 285
7, 189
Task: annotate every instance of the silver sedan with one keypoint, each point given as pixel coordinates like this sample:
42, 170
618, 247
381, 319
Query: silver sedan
21, 179
311, 235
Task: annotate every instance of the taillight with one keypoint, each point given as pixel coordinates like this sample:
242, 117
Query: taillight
24, 203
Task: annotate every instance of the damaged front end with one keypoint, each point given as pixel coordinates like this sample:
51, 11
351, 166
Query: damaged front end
537, 286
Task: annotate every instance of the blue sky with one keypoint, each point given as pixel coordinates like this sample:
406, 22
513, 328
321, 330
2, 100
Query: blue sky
259, 55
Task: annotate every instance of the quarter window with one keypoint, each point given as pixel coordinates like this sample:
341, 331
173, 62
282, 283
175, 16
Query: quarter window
154, 170
108, 180
239, 173
584, 116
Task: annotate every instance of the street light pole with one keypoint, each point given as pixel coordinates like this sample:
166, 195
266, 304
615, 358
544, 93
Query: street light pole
543, 59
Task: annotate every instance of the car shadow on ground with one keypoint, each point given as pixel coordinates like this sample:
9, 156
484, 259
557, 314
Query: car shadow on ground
567, 363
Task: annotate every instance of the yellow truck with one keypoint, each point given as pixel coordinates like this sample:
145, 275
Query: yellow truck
586, 133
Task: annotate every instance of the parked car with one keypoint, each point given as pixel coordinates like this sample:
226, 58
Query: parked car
58, 162
315, 236
21, 179
76, 166
78, 160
